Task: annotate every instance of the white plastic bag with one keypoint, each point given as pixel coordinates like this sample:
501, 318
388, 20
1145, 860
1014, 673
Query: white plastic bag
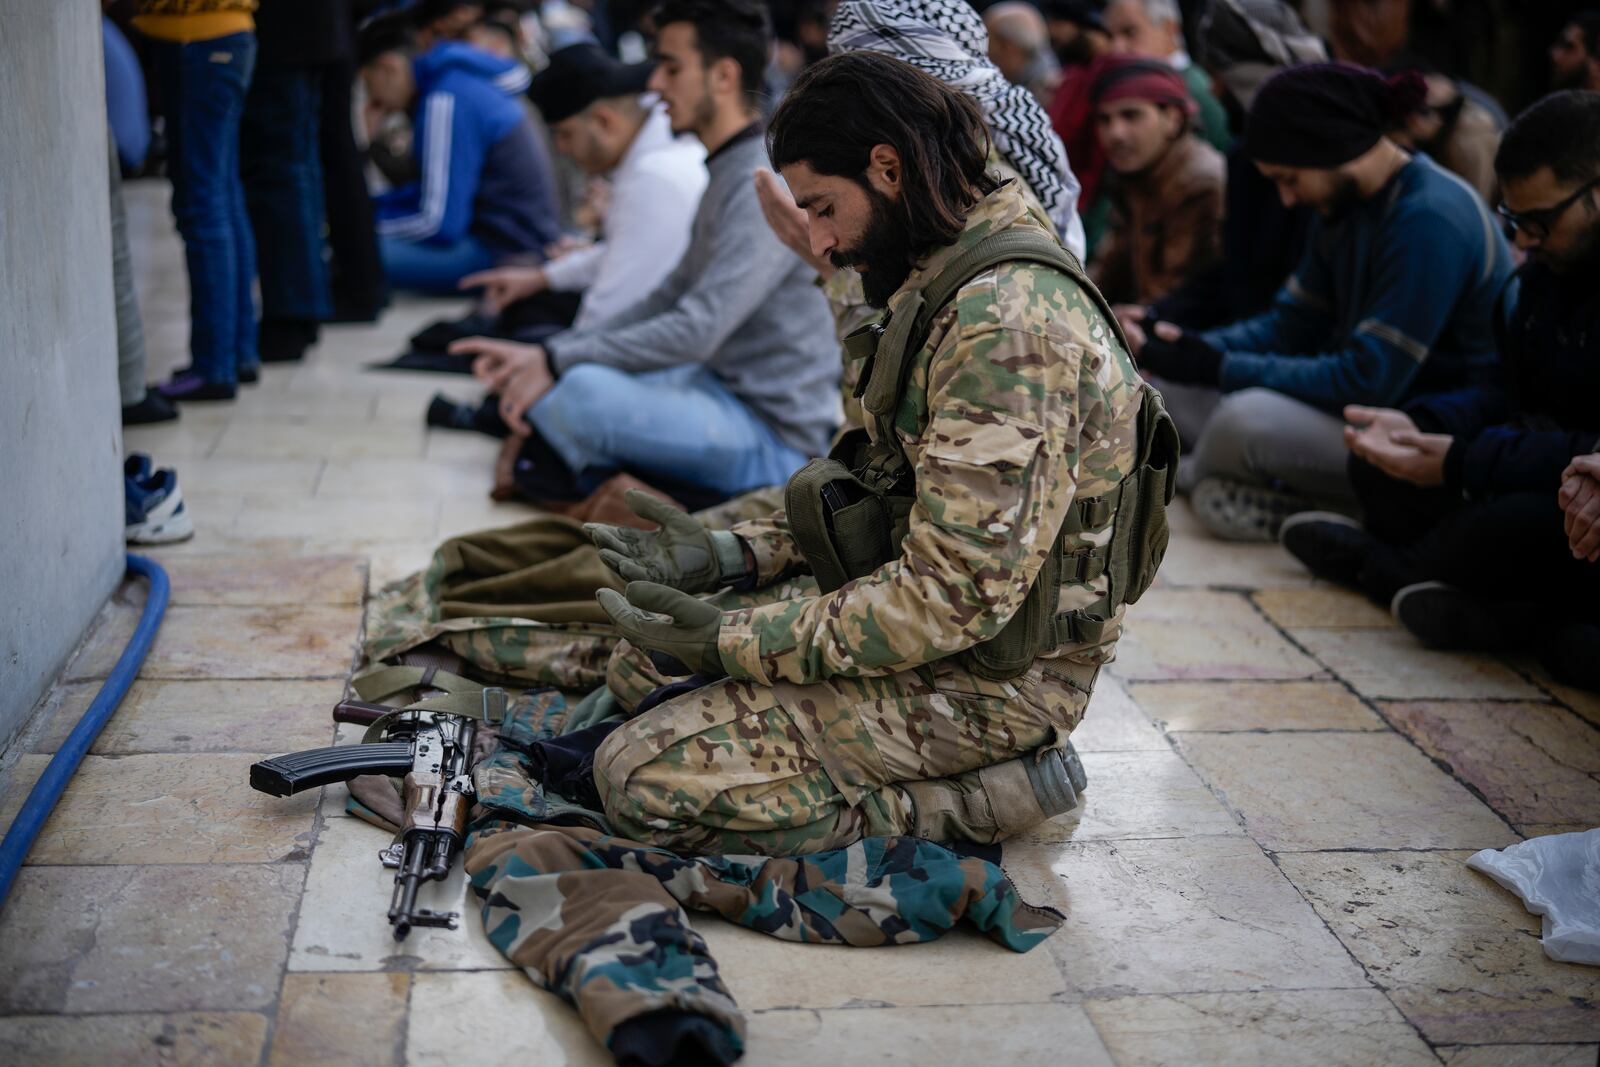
1557, 877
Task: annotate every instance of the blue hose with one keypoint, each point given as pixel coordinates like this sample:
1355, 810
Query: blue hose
53, 782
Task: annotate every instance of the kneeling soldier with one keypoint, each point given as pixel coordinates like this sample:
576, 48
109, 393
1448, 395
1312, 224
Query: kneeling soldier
973, 547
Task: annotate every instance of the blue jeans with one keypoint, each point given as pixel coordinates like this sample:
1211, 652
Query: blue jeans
682, 423
202, 92
283, 188
431, 268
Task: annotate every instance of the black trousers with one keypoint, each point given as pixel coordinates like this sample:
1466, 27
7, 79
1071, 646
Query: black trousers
283, 190
1510, 548
359, 284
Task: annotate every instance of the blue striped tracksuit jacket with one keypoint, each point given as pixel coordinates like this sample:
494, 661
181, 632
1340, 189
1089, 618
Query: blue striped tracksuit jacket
1394, 298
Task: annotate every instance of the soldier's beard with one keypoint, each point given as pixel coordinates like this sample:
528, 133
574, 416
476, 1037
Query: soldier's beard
883, 255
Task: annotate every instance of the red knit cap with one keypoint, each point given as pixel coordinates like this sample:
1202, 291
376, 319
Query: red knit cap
1139, 78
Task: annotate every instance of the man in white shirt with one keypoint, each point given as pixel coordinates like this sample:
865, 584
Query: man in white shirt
593, 106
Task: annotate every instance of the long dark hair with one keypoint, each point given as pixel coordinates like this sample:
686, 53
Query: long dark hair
839, 109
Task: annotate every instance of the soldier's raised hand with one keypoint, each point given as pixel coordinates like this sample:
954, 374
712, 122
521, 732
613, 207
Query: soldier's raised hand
682, 554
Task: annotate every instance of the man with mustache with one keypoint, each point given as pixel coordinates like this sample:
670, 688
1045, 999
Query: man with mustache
1393, 299
724, 377
1508, 471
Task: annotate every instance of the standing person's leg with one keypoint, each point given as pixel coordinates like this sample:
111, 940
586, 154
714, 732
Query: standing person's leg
139, 403
359, 290
247, 359
203, 86
682, 423
737, 767
283, 189
1262, 457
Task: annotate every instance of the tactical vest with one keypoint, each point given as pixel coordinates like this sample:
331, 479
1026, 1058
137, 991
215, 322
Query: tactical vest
850, 512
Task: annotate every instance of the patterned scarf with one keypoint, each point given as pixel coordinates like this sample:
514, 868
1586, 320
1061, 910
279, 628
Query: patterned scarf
947, 39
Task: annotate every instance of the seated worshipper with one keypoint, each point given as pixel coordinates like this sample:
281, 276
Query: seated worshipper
1446, 478
1077, 31
1242, 43
1393, 299
1168, 188
904, 701
1575, 55
1019, 44
592, 104
442, 20
724, 376
1457, 130
485, 191
1154, 29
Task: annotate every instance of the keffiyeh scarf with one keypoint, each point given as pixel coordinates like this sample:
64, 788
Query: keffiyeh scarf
947, 39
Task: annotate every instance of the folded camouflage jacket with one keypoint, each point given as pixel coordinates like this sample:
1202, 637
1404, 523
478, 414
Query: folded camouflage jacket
602, 921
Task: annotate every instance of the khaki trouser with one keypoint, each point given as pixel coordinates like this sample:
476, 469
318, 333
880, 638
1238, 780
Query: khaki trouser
738, 767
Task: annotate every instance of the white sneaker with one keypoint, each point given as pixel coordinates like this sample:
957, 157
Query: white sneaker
155, 514
1235, 511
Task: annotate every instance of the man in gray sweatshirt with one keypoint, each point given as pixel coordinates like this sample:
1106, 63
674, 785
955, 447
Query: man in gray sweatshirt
726, 375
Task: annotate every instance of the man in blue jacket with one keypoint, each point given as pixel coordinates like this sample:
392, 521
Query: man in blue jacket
485, 192
1453, 482
1392, 300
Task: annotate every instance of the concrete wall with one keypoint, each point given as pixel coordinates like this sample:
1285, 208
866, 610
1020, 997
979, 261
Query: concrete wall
60, 427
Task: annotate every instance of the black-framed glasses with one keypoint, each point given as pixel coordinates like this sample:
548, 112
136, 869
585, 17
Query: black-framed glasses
1536, 222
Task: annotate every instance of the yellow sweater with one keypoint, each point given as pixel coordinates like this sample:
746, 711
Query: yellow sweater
185, 21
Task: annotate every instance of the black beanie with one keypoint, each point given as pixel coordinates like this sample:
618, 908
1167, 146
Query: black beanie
1323, 115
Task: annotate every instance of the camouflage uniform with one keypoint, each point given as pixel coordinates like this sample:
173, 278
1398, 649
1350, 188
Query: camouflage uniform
1019, 401
602, 921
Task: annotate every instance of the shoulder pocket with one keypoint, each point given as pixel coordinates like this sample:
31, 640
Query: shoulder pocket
973, 478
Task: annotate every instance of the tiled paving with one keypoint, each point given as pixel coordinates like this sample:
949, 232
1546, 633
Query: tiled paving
1268, 868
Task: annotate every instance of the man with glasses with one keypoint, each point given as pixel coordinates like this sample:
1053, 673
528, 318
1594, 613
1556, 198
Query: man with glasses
1474, 499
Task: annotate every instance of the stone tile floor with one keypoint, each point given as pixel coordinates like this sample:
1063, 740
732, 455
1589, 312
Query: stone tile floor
1267, 869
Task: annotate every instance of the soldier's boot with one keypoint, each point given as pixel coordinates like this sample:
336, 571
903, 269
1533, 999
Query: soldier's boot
993, 803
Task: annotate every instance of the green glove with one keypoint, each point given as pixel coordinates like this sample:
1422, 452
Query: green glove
682, 554
688, 633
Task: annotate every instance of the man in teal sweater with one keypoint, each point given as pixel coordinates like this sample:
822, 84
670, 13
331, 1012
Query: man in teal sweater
1394, 298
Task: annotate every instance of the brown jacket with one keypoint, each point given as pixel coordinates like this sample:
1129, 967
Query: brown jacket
1166, 226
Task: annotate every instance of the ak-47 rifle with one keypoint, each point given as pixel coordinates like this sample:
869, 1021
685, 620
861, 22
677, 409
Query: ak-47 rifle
435, 752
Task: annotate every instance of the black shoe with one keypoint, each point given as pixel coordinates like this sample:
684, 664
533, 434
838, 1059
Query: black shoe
450, 415
447, 414
186, 385
243, 375
1442, 616
1570, 651
438, 336
1333, 547
285, 340
350, 305
155, 407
